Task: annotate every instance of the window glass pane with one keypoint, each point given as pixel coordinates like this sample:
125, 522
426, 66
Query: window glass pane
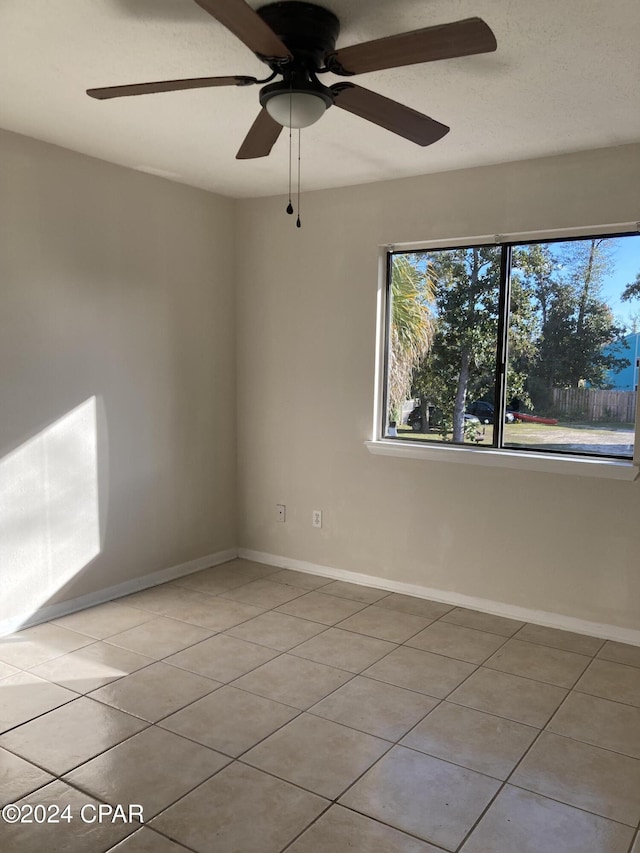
574, 343
443, 317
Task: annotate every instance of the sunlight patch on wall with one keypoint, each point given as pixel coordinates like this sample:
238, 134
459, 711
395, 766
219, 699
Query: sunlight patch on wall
49, 513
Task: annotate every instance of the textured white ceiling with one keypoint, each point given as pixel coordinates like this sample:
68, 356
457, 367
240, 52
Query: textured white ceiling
565, 77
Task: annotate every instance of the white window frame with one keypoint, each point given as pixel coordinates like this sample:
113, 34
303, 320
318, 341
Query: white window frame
582, 466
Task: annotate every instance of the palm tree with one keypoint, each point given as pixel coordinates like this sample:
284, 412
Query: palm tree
412, 328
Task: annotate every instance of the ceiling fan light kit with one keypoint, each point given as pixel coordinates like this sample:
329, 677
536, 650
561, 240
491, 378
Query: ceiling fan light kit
296, 104
297, 40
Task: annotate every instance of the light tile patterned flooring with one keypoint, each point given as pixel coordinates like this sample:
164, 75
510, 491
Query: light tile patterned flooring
255, 710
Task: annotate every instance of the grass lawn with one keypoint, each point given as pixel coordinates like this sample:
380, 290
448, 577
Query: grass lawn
609, 439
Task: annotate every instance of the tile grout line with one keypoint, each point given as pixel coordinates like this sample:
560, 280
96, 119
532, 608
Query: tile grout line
273, 609
361, 673
38, 716
335, 803
141, 825
540, 731
87, 792
59, 776
89, 693
308, 710
518, 763
464, 840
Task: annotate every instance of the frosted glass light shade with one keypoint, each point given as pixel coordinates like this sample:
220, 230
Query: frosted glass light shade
296, 109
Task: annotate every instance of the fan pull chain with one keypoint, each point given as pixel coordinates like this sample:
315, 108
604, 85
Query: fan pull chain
290, 206
298, 223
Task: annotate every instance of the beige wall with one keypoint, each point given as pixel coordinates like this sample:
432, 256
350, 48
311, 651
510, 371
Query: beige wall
119, 286
306, 342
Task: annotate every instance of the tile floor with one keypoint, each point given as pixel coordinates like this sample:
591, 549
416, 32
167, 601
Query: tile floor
250, 709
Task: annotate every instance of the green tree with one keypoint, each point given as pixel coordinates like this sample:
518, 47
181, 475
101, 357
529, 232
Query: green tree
632, 291
525, 325
533, 272
462, 357
561, 332
579, 339
536, 267
411, 327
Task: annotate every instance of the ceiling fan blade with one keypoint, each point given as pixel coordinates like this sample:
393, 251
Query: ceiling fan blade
167, 86
247, 25
261, 137
389, 114
462, 38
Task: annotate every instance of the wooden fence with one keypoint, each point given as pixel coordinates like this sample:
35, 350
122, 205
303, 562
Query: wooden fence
594, 404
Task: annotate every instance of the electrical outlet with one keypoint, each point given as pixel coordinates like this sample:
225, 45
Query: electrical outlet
316, 518
280, 512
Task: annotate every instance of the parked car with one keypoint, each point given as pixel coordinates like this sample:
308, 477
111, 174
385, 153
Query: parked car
484, 412
414, 418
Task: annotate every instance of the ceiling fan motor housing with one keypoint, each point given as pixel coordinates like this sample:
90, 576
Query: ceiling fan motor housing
309, 31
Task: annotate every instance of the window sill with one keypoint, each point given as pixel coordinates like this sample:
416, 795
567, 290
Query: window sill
609, 469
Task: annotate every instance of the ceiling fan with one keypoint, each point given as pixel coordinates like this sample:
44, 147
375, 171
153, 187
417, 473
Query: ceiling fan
297, 41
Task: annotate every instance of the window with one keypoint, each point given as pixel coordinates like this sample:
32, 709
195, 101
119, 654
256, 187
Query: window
528, 346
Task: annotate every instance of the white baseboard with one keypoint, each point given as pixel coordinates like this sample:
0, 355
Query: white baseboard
497, 608
63, 608
485, 605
